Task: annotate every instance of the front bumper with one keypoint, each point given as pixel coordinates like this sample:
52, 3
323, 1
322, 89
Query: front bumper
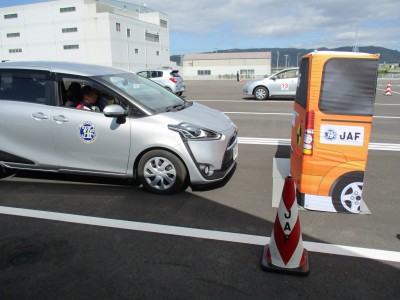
213, 159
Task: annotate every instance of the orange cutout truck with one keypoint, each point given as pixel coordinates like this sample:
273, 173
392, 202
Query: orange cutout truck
331, 128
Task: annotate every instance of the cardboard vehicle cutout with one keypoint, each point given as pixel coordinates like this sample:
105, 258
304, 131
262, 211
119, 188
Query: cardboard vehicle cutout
331, 128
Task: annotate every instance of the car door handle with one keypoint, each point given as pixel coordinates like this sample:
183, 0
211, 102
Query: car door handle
39, 116
60, 119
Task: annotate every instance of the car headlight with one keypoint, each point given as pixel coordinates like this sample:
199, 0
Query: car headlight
194, 132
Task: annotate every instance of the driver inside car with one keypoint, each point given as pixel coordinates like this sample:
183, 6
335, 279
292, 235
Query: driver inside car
89, 99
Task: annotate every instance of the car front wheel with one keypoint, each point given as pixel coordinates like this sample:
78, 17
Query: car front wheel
261, 93
5, 172
161, 172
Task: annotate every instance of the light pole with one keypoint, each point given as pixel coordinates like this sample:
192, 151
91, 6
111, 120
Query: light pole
286, 58
297, 60
277, 60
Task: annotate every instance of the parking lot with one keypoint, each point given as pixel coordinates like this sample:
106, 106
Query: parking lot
66, 237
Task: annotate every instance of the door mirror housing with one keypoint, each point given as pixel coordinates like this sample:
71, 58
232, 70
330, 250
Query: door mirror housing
115, 111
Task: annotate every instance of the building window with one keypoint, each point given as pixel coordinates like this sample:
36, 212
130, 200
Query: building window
163, 23
247, 72
118, 26
70, 47
136, 51
11, 16
13, 35
158, 53
67, 9
128, 33
152, 37
17, 50
203, 72
72, 29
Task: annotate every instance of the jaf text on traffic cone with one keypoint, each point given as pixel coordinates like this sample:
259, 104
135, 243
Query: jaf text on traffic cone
388, 91
285, 252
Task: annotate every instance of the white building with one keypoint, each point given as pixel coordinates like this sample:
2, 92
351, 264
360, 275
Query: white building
105, 32
226, 65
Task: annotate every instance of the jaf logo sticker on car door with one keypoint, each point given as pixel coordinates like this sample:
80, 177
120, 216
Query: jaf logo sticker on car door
87, 132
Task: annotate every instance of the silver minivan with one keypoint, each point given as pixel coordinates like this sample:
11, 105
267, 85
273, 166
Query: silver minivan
141, 131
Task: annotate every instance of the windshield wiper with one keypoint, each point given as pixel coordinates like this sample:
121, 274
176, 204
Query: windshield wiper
176, 107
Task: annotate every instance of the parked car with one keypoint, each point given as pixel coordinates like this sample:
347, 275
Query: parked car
141, 132
280, 84
168, 78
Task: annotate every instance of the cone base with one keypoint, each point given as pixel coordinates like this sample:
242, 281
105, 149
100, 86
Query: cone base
303, 270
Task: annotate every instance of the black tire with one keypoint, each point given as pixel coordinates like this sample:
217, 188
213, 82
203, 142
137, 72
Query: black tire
260, 93
161, 172
179, 94
4, 172
347, 193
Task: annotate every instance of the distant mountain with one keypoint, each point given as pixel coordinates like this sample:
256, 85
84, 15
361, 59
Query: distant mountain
386, 55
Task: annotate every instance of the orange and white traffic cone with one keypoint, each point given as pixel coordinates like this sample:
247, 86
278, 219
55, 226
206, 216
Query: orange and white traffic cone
388, 91
285, 252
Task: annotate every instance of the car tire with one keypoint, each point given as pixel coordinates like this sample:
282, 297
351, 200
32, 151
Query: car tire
179, 94
4, 172
261, 93
347, 193
161, 172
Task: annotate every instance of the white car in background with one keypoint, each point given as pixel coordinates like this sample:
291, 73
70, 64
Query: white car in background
168, 78
280, 84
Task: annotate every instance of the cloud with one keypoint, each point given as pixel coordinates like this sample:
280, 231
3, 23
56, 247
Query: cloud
336, 22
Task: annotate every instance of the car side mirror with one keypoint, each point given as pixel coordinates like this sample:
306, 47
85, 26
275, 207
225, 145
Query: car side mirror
115, 111
273, 78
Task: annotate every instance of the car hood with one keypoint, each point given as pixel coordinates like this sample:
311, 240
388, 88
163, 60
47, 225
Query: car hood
258, 80
204, 116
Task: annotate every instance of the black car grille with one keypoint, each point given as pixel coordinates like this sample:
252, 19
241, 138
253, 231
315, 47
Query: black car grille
228, 156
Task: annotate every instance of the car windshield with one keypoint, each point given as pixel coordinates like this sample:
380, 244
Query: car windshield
146, 92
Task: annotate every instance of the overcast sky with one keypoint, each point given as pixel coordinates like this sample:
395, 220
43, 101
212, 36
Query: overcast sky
211, 25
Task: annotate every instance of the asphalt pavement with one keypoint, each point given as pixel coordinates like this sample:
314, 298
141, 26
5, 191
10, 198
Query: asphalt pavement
74, 237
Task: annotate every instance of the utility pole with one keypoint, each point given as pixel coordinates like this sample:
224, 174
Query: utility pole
277, 60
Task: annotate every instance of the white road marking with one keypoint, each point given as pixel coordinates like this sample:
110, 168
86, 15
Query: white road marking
289, 114
286, 142
375, 254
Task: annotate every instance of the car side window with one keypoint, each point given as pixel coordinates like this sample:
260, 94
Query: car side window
144, 74
287, 74
26, 86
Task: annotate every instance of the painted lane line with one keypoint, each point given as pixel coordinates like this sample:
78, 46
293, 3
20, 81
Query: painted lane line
290, 114
246, 101
389, 104
286, 142
257, 113
385, 117
393, 92
375, 254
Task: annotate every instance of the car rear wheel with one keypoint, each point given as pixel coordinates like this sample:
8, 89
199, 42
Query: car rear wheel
161, 172
261, 93
347, 194
179, 94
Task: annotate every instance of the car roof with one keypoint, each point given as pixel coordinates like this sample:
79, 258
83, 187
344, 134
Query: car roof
160, 69
292, 68
63, 67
